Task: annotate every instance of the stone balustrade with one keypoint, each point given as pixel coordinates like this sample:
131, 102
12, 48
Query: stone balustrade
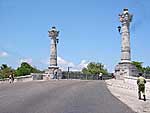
18, 79
128, 82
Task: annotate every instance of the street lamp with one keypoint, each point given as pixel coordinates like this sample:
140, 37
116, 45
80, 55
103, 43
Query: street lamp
119, 29
68, 71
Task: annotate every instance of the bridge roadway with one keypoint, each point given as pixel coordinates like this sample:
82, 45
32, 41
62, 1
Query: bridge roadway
63, 96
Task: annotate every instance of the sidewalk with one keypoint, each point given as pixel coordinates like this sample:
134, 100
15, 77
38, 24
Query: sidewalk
127, 92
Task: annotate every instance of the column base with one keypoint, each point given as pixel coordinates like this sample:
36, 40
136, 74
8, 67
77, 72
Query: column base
125, 69
53, 72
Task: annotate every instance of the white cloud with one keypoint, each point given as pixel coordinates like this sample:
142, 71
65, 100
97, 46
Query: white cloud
3, 54
61, 61
64, 64
28, 60
83, 63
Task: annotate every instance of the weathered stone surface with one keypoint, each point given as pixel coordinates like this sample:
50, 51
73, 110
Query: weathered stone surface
53, 33
125, 68
53, 69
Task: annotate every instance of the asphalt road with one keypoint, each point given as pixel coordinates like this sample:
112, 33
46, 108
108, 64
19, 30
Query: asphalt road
63, 96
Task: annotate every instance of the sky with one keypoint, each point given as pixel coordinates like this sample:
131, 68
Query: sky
88, 32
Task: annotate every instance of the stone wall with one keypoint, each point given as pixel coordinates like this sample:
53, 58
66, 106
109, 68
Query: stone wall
18, 79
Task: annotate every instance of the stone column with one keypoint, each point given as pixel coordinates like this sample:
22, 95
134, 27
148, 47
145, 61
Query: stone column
125, 19
53, 33
53, 69
125, 68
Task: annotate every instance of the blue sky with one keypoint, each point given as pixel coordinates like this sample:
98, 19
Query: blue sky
88, 31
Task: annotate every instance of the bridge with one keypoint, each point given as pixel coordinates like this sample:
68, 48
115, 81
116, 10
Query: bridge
59, 96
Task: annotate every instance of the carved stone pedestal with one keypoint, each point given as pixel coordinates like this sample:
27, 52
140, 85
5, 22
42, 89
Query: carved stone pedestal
53, 72
125, 69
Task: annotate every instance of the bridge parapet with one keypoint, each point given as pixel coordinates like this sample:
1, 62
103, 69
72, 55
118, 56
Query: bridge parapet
18, 79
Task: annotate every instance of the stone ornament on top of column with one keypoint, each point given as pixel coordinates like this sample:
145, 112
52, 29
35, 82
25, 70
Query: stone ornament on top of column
53, 33
125, 17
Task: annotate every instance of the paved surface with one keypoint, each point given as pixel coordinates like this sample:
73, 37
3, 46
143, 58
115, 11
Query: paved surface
127, 93
72, 96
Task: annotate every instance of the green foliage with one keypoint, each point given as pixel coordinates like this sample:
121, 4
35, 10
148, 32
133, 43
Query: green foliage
5, 71
94, 68
147, 70
144, 70
26, 69
138, 65
4, 66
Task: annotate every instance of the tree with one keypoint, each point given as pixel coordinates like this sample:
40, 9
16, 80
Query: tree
138, 66
144, 70
26, 69
147, 70
4, 66
94, 68
5, 71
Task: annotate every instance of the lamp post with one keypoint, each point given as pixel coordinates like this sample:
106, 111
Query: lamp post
119, 29
68, 71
